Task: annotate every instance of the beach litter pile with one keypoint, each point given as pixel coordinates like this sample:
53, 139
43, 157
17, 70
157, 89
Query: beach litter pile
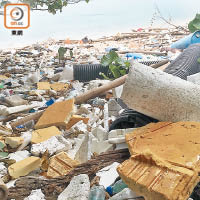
68, 133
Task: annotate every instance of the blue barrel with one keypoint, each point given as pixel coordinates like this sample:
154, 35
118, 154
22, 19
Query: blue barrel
187, 41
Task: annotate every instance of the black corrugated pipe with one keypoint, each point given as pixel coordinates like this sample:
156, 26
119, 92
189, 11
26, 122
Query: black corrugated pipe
131, 119
89, 72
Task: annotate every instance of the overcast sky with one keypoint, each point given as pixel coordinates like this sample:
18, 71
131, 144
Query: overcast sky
98, 18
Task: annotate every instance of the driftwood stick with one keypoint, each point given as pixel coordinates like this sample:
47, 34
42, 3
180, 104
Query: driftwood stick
11, 117
53, 187
144, 52
157, 65
28, 118
97, 91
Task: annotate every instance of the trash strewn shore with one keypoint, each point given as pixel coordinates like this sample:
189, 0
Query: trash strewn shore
68, 133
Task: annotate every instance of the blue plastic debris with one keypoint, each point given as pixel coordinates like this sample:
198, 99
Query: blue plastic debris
187, 41
32, 111
50, 102
134, 55
20, 126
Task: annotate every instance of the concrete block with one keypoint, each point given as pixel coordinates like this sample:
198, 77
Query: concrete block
113, 108
60, 165
24, 167
55, 144
44, 134
79, 128
78, 189
100, 133
108, 175
80, 149
101, 147
161, 95
57, 114
82, 155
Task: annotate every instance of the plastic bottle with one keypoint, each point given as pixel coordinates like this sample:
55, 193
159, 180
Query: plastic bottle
116, 188
97, 193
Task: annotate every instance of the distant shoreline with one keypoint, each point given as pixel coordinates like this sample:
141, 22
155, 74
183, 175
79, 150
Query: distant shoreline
11, 46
